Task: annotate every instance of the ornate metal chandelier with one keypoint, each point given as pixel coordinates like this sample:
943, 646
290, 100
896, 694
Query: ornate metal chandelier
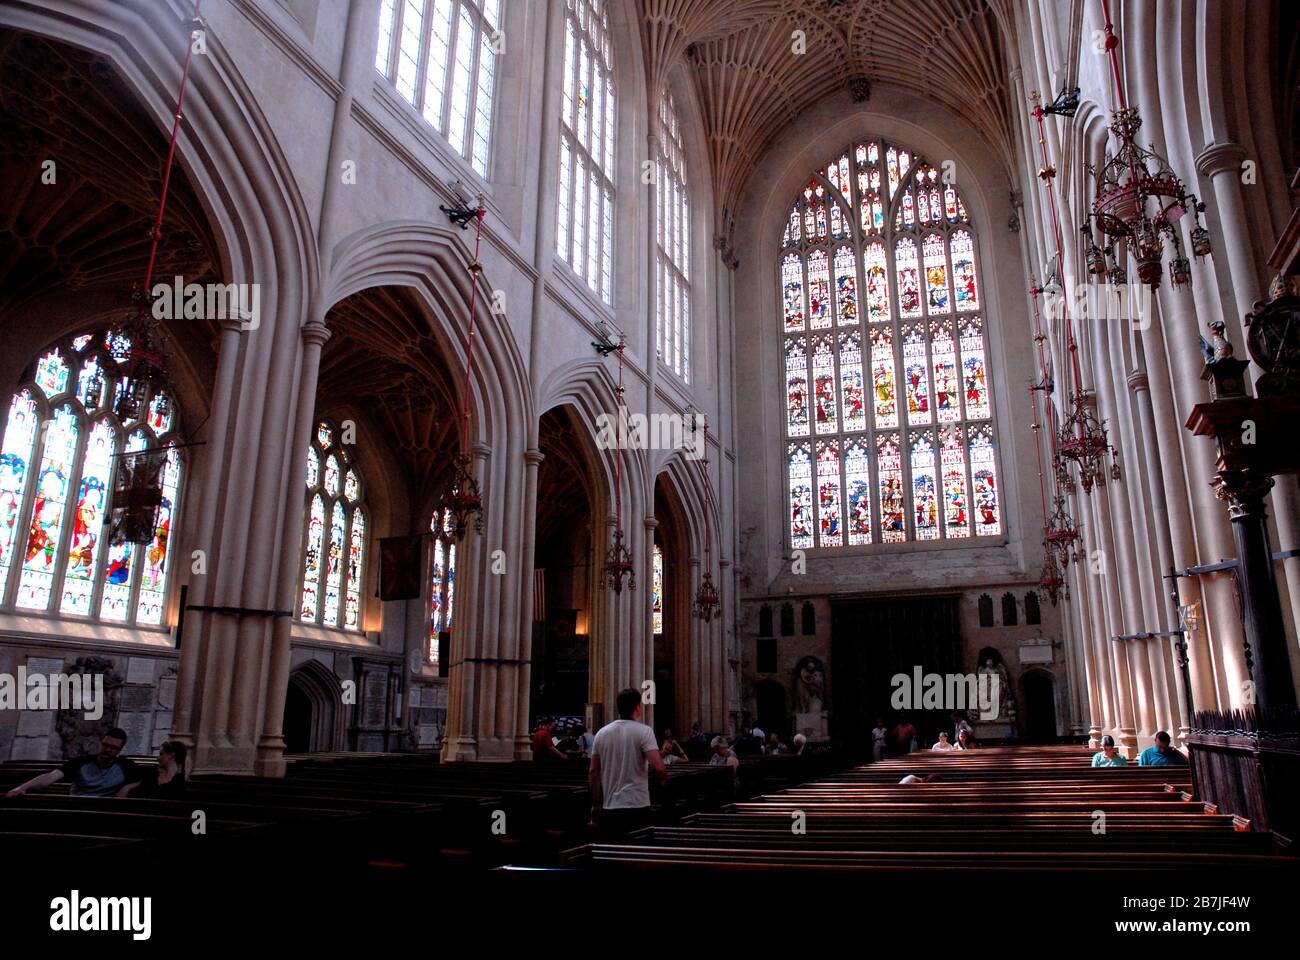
1051, 579
618, 559
1140, 198
707, 602
462, 503
1061, 535
1081, 440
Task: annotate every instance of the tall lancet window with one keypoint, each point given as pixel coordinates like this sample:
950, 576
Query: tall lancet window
584, 229
442, 582
60, 449
334, 549
672, 261
888, 425
441, 57
657, 593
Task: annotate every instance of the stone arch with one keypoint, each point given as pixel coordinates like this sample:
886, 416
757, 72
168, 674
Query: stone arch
319, 689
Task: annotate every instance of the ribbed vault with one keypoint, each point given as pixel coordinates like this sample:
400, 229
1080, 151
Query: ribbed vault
752, 84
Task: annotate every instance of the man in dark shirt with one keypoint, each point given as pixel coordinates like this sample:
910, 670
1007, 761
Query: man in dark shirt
1162, 754
91, 775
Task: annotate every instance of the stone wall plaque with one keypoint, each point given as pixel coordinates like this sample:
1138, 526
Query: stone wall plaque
374, 706
45, 665
139, 731
1036, 651
139, 670
32, 748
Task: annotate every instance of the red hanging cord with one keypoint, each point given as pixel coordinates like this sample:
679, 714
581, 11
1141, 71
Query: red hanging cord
475, 268
618, 459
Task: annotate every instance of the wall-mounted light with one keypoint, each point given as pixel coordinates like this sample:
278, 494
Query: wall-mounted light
580, 624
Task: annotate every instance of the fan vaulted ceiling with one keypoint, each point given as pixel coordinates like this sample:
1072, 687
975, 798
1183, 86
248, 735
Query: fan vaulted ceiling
751, 84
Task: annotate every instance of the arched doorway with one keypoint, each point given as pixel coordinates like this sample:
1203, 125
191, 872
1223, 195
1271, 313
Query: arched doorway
313, 710
1040, 707
564, 572
770, 703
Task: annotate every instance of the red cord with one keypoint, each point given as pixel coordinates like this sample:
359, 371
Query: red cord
479, 214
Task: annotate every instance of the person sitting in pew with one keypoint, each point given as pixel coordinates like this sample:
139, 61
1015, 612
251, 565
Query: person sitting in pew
697, 734
672, 751
543, 746
800, 744
964, 741
164, 782
913, 778
97, 775
775, 748
943, 746
723, 755
621, 759
1108, 755
568, 744
1162, 754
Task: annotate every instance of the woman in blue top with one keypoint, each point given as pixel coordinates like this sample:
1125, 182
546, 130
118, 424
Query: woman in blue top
1109, 756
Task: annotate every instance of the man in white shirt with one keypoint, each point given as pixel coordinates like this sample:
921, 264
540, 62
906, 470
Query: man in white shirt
623, 754
943, 746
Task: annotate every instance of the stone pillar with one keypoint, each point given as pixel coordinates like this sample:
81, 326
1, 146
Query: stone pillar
524, 678
270, 748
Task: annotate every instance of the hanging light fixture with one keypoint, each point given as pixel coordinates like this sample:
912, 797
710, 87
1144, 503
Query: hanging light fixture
1139, 197
462, 503
1082, 441
1061, 535
707, 601
1052, 580
618, 559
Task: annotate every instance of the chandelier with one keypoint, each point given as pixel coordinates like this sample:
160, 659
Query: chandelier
618, 559
1061, 535
462, 502
1140, 198
1081, 440
1051, 579
707, 601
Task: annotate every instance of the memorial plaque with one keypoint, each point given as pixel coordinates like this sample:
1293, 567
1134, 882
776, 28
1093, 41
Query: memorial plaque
45, 665
136, 696
167, 691
139, 670
31, 748
374, 705
35, 723
139, 731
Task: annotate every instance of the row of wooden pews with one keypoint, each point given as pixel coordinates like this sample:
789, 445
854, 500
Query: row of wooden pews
1006, 808
337, 813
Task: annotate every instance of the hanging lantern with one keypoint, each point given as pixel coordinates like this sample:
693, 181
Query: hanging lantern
1095, 259
1051, 579
1148, 249
618, 564
94, 395
707, 601
1180, 271
463, 501
1200, 240
1118, 276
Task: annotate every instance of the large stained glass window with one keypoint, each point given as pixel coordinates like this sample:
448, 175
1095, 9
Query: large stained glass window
334, 546
61, 445
888, 429
442, 581
672, 262
585, 223
441, 57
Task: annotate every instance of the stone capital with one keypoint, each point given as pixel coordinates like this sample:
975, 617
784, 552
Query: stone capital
533, 458
315, 333
1137, 380
1220, 158
651, 522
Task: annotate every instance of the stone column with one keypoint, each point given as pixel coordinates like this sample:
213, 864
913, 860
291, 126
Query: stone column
270, 747
524, 678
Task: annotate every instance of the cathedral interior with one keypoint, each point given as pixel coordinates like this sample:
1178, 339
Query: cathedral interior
388, 378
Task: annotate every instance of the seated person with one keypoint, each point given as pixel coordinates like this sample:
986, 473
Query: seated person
964, 741
166, 781
91, 775
672, 751
800, 744
724, 755
1162, 754
543, 746
775, 748
697, 734
1108, 755
943, 746
568, 743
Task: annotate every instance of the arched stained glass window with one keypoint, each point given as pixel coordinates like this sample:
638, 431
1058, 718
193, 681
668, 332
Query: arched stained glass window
585, 224
61, 447
441, 57
914, 457
334, 547
657, 592
442, 582
672, 263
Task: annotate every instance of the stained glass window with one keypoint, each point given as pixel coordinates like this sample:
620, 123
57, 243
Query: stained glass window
440, 56
672, 265
586, 193
442, 581
896, 278
657, 593
58, 456
334, 544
